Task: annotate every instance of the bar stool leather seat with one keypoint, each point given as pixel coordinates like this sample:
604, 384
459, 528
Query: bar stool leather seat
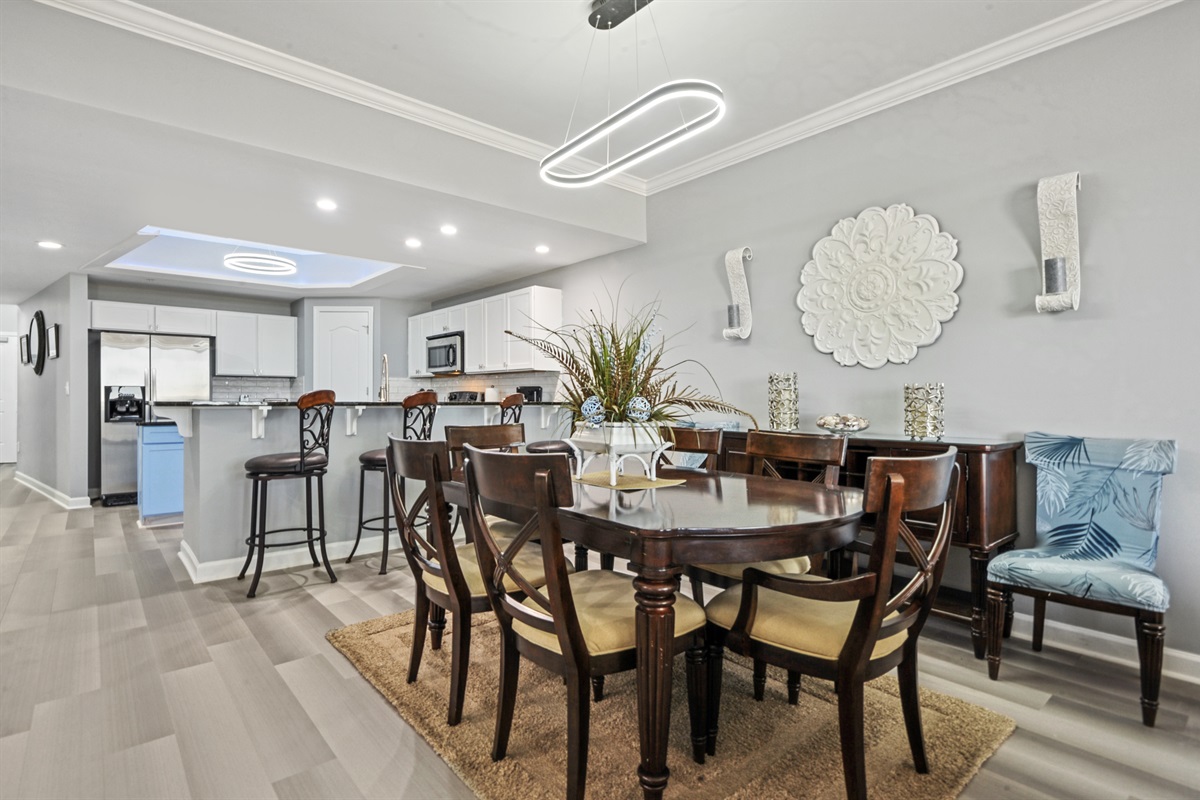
283, 463
374, 458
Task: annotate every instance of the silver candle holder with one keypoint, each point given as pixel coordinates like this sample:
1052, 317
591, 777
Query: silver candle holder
783, 401
924, 410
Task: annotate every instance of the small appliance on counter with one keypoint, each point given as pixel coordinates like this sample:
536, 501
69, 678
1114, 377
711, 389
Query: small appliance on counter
462, 397
532, 394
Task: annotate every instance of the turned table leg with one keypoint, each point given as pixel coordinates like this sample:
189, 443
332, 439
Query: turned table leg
655, 594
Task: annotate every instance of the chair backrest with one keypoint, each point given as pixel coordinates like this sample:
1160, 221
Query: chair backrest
485, 437
541, 483
1099, 498
510, 408
895, 487
427, 548
825, 453
316, 413
419, 410
706, 441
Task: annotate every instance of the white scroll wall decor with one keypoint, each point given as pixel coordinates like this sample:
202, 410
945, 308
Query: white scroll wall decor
879, 287
1058, 221
740, 318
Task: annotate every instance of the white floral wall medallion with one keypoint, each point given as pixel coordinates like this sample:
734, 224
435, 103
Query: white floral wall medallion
880, 286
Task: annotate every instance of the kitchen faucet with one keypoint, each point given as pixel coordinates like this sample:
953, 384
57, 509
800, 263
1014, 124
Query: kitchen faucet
384, 393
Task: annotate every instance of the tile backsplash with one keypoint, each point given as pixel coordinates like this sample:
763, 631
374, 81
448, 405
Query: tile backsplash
232, 389
505, 383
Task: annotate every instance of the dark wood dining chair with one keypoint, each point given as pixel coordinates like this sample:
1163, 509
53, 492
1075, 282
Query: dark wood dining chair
582, 624
505, 437
511, 407
447, 575
419, 410
849, 630
705, 441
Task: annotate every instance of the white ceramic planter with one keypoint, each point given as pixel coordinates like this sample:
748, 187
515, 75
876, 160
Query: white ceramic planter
618, 441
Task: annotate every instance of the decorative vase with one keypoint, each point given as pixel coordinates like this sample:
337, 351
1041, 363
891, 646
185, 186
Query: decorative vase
617, 441
924, 410
783, 406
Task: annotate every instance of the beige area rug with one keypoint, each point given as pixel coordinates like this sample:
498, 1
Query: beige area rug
627, 482
765, 750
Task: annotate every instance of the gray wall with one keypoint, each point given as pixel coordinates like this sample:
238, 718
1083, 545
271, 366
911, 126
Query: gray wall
50, 418
1122, 107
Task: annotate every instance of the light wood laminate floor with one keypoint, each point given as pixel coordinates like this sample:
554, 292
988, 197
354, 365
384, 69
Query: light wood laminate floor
121, 679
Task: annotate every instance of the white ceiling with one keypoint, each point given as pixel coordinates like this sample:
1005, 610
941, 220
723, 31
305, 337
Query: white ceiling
229, 119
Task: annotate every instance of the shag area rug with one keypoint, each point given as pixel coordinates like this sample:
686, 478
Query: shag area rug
765, 750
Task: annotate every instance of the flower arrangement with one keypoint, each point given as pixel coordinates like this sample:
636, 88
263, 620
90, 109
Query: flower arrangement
614, 371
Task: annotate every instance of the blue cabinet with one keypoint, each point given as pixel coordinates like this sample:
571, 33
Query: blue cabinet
160, 471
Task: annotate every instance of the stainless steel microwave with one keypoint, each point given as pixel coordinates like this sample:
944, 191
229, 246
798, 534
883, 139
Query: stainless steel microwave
444, 352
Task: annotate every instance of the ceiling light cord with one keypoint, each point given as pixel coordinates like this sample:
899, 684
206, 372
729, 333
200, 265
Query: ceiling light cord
661, 49
582, 76
608, 111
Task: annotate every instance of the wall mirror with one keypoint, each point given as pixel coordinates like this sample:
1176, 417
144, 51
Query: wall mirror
37, 342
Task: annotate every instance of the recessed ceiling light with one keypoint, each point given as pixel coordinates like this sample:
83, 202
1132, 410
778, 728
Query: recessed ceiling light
325, 204
449, 230
260, 263
542, 249
49, 245
413, 242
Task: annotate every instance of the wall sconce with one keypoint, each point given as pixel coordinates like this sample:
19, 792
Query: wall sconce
740, 317
1058, 221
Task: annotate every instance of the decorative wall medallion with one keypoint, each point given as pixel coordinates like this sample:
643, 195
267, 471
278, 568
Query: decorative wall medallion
880, 286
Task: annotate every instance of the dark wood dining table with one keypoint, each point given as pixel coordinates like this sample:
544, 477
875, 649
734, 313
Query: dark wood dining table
713, 517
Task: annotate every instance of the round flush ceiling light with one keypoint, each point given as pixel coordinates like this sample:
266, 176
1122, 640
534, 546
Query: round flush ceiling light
325, 204
413, 242
260, 263
541, 249
449, 230
46, 244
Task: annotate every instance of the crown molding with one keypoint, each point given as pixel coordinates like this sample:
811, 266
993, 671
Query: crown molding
1055, 33
157, 25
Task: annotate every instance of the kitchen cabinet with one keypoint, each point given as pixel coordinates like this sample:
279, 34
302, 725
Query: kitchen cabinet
531, 312
255, 345
160, 471
416, 348
495, 321
109, 315
445, 320
473, 338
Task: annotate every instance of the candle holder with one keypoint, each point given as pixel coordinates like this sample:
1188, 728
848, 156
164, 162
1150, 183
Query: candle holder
783, 406
924, 410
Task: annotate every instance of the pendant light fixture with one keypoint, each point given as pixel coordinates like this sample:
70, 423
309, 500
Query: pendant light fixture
607, 14
260, 263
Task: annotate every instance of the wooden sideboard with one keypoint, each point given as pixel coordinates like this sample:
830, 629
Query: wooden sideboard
985, 520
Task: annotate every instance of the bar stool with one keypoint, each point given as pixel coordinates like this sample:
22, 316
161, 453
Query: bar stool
316, 412
510, 409
419, 410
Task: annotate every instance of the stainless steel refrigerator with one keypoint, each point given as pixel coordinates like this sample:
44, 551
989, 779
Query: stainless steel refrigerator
137, 370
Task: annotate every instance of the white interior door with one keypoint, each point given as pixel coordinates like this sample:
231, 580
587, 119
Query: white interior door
9, 359
343, 358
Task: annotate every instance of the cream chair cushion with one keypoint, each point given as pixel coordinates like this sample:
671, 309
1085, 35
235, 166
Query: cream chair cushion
503, 531
784, 566
528, 562
605, 605
811, 627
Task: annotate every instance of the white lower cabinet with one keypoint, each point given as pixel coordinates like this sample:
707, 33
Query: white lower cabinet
255, 345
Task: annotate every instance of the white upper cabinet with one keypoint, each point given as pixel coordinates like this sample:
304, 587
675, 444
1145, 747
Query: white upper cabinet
532, 312
495, 321
416, 348
108, 315
259, 345
473, 337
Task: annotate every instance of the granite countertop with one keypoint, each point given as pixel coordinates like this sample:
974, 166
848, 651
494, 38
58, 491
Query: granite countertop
288, 403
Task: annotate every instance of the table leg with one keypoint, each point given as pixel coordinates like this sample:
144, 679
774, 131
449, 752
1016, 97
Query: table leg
655, 594
979, 565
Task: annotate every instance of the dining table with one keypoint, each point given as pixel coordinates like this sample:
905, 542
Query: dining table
712, 517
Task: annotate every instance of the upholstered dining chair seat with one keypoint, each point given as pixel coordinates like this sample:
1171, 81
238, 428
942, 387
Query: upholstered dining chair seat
528, 562
784, 566
280, 463
1123, 582
374, 458
605, 606
812, 627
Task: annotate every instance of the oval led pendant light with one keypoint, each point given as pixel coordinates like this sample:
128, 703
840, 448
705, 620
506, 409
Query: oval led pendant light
260, 263
673, 90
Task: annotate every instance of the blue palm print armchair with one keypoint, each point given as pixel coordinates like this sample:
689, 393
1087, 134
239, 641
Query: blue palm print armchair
1097, 541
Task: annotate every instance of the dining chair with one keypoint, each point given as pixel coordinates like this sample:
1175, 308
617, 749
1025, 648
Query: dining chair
1098, 506
510, 408
447, 575
505, 436
704, 442
583, 624
311, 461
849, 630
419, 410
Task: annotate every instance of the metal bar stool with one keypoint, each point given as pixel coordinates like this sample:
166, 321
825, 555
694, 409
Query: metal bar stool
419, 410
510, 409
316, 411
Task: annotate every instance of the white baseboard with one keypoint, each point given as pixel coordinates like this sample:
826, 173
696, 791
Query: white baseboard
1178, 664
209, 571
64, 500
